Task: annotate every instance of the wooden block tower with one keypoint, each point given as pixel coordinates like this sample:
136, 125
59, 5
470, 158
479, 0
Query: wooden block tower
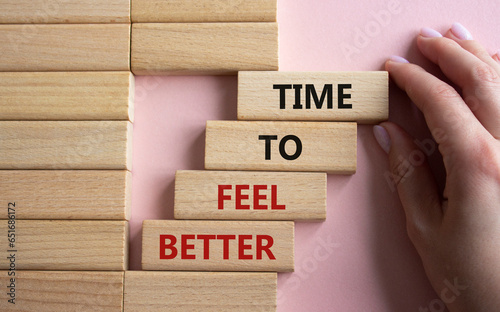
66, 107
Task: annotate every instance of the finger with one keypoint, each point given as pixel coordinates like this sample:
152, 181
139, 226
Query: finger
412, 177
479, 81
450, 120
460, 35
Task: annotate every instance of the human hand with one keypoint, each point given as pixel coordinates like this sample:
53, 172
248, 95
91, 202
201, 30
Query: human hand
457, 233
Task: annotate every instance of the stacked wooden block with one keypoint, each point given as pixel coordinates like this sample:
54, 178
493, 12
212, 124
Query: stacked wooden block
203, 36
207, 37
66, 106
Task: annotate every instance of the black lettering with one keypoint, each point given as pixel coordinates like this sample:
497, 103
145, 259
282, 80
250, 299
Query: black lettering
342, 96
268, 139
297, 104
298, 150
326, 93
282, 88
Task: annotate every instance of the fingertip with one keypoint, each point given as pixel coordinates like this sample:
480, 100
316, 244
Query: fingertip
398, 59
382, 137
459, 31
394, 60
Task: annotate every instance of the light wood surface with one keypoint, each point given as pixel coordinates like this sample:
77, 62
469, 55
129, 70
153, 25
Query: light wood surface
326, 146
64, 11
203, 48
51, 291
66, 96
199, 291
260, 96
62, 194
182, 11
65, 47
242, 237
65, 144
250, 195
66, 245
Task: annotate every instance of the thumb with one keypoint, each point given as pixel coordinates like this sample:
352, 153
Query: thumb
411, 176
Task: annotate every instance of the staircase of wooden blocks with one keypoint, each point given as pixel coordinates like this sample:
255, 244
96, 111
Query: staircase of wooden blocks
66, 107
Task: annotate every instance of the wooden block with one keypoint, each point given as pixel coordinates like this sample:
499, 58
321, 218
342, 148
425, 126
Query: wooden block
282, 146
61, 194
64, 11
67, 96
64, 245
240, 195
203, 48
43, 291
217, 245
65, 47
65, 144
199, 291
202, 11
340, 96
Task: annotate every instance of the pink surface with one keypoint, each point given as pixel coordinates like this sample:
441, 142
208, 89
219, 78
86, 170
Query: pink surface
360, 258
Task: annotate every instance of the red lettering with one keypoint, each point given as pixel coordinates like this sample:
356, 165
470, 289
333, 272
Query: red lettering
242, 247
274, 199
240, 196
223, 197
206, 245
267, 248
185, 246
164, 246
225, 246
257, 196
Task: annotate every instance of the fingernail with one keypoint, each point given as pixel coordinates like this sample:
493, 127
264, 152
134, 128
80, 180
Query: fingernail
382, 137
430, 33
460, 31
398, 59
497, 55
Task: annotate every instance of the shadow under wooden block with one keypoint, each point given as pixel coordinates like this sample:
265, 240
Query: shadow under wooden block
199, 291
65, 145
62, 194
65, 47
65, 245
50, 291
66, 96
179, 245
246, 195
324, 96
282, 146
203, 48
202, 11
63, 11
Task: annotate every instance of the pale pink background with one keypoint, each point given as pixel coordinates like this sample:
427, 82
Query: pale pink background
360, 258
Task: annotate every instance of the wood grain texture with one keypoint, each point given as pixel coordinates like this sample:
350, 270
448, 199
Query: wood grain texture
43, 291
201, 11
64, 11
368, 92
65, 145
326, 146
203, 48
297, 195
199, 291
62, 194
66, 96
65, 47
281, 247
67, 245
